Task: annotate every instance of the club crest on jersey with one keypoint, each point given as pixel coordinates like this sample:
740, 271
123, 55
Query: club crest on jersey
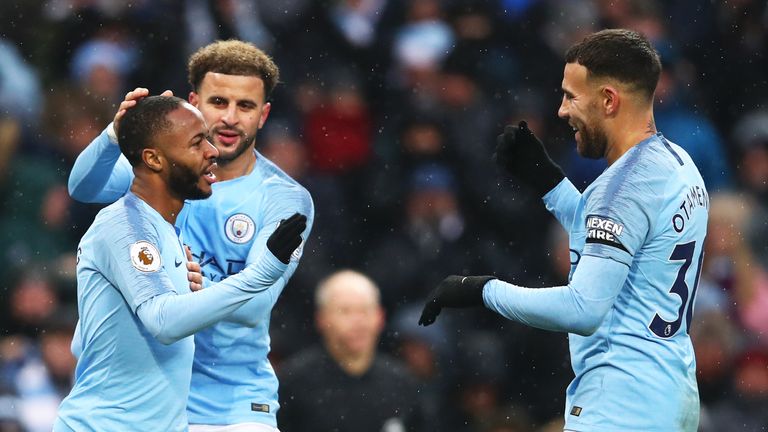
239, 228
604, 231
145, 257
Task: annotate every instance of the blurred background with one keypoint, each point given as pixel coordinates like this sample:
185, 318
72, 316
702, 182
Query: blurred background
387, 113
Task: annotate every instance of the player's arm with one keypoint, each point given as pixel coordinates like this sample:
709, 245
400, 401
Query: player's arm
76, 347
170, 316
578, 307
101, 173
257, 308
562, 202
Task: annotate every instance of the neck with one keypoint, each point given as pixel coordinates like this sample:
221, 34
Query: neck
627, 131
237, 167
154, 192
354, 364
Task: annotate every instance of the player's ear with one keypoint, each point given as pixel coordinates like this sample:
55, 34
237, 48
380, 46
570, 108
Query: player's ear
610, 100
265, 114
194, 99
152, 159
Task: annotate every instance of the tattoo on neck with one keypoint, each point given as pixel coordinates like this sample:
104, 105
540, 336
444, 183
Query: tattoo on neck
651, 126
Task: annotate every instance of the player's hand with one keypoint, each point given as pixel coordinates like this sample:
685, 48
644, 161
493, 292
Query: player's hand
454, 291
194, 272
520, 153
131, 98
287, 237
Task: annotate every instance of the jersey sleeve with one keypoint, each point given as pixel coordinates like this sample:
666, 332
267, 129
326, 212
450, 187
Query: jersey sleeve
562, 202
101, 174
578, 307
133, 262
618, 217
170, 317
281, 206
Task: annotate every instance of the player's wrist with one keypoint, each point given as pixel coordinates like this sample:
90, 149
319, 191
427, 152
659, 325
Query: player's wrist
549, 176
111, 133
465, 291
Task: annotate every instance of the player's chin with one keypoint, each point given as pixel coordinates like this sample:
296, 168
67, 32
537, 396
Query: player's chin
201, 190
227, 146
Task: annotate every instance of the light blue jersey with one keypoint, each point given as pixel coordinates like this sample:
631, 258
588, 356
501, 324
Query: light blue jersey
136, 316
126, 379
232, 379
636, 237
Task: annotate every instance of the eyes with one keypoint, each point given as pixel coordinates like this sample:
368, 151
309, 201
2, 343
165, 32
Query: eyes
200, 139
220, 102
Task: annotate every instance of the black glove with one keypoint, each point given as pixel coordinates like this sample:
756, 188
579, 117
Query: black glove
287, 237
521, 154
454, 291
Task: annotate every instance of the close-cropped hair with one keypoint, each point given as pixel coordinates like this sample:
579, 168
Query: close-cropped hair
142, 123
623, 55
344, 276
233, 57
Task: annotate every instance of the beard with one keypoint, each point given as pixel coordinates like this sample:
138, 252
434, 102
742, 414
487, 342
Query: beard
593, 142
184, 183
245, 142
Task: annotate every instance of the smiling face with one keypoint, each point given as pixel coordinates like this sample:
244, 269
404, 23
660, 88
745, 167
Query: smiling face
235, 109
190, 157
581, 108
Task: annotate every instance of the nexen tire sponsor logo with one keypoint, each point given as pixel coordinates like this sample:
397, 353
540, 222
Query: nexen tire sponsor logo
605, 231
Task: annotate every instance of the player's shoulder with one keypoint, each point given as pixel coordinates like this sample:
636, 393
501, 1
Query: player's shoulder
277, 180
126, 218
643, 172
278, 187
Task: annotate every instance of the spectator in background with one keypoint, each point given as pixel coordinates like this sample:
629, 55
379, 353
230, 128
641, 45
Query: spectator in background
211, 20
716, 341
751, 137
419, 47
497, 45
687, 126
731, 264
339, 130
20, 94
101, 65
744, 406
9, 416
40, 373
40, 224
430, 241
427, 353
346, 385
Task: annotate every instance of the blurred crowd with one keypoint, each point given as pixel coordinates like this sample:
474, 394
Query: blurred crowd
387, 113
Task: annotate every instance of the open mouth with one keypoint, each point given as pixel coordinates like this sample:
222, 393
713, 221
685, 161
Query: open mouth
575, 129
227, 137
208, 174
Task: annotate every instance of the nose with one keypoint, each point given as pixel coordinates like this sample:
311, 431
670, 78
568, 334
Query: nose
211, 152
230, 115
562, 112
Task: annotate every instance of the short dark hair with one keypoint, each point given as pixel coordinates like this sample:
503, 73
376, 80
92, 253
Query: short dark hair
621, 54
233, 57
143, 122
